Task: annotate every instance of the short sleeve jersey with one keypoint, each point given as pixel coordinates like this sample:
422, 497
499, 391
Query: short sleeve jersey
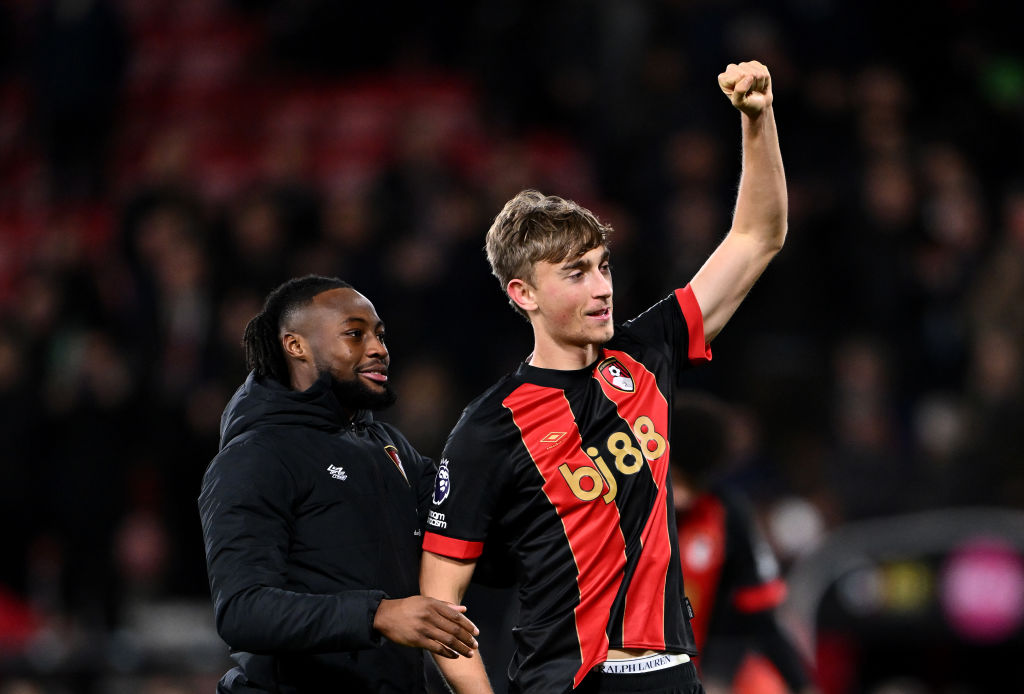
568, 473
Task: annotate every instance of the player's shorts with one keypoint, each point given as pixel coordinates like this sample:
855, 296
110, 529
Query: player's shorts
652, 674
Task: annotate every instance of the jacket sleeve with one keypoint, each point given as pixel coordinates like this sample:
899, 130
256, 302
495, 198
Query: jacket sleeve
245, 509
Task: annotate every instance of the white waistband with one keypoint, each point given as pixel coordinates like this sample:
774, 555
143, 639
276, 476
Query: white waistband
647, 663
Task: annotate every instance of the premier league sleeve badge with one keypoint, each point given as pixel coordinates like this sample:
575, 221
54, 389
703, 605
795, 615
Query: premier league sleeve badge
442, 483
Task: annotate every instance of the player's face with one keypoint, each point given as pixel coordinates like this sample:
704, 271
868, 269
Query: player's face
574, 299
347, 340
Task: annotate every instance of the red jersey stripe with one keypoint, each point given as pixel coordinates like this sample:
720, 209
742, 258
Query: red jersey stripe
591, 527
760, 598
698, 350
451, 547
644, 621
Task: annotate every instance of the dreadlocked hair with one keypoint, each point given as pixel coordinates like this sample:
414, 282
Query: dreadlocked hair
262, 338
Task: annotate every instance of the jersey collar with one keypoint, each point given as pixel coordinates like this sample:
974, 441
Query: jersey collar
558, 378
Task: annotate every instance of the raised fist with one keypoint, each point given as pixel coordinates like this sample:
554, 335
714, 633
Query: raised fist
748, 86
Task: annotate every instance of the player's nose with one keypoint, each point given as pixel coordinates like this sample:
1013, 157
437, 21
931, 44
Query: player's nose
376, 347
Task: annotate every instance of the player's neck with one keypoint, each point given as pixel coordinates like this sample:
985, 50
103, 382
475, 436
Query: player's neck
548, 354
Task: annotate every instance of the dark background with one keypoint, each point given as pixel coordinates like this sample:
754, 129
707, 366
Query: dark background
163, 165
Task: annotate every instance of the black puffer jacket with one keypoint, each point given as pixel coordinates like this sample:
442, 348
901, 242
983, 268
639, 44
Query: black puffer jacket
309, 523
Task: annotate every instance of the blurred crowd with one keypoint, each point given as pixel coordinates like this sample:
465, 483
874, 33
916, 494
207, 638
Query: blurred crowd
163, 165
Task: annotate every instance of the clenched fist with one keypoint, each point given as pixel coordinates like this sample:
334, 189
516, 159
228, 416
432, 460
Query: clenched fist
748, 86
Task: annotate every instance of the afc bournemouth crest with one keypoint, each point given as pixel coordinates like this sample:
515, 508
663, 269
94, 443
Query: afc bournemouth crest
393, 454
613, 371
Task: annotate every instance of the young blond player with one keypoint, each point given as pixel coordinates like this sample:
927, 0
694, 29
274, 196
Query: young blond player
564, 464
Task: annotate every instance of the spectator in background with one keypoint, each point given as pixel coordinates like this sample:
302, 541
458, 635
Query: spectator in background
313, 512
256, 239
732, 576
865, 466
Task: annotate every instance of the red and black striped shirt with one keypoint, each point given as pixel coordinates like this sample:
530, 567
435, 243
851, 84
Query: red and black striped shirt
568, 472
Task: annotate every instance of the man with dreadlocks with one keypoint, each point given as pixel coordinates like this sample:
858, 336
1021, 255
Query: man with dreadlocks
313, 512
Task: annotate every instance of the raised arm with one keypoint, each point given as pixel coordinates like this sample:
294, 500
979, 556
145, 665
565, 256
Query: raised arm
447, 580
759, 221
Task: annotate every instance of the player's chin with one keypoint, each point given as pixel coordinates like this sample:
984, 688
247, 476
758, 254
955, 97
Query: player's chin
603, 334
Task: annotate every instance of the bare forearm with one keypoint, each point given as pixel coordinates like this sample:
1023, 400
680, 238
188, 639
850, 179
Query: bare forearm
758, 231
762, 203
423, 622
465, 675
447, 579
759, 221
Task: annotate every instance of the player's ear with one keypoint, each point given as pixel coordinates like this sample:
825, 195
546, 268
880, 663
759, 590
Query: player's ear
523, 294
294, 346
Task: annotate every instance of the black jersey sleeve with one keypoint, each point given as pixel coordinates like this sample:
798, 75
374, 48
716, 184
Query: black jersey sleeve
470, 481
675, 321
245, 508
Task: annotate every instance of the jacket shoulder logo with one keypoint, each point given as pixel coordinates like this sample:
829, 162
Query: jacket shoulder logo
337, 472
616, 374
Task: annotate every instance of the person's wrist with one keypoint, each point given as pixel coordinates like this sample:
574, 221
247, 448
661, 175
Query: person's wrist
757, 123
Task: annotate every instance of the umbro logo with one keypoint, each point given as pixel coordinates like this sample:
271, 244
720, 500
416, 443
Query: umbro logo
337, 472
553, 438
